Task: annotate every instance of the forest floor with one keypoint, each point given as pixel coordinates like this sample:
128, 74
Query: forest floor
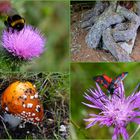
54, 94
80, 52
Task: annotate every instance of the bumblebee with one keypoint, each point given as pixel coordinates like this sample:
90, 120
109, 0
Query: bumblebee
16, 22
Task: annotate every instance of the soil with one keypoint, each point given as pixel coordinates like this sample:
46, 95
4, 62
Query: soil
80, 52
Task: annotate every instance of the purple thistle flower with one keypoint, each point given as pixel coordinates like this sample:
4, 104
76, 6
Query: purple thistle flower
116, 111
26, 44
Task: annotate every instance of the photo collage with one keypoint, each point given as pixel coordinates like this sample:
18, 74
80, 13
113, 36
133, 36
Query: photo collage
69, 69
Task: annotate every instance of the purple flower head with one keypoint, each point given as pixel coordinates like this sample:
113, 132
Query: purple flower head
26, 44
116, 111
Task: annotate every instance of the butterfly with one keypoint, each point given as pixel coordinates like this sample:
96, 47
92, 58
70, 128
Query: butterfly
109, 83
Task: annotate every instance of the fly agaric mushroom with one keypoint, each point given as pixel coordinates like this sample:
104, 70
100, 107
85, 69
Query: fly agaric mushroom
20, 99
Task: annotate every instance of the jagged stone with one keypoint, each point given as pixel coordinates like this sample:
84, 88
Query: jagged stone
117, 26
119, 53
121, 26
132, 22
107, 19
128, 46
89, 18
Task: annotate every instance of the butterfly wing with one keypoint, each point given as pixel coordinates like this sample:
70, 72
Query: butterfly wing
101, 80
119, 78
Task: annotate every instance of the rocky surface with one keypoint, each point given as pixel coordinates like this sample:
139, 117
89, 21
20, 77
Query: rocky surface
117, 26
89, 17
115, 49
80, 51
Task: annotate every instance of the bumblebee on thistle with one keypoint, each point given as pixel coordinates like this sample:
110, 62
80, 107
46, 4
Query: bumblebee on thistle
20, 39
13, 21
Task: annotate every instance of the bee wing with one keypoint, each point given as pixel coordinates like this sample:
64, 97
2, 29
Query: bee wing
7, 14
11, 12
101, 80
119, 78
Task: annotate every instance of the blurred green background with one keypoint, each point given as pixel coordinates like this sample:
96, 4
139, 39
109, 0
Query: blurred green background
52, 19
81, 80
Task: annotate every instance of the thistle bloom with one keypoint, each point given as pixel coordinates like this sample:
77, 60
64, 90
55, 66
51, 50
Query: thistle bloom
26, 44
116, 111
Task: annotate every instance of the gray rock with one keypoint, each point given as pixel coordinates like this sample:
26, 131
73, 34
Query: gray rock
128, 46
107, 19
121, 26
92, 15
126, 32
117, 51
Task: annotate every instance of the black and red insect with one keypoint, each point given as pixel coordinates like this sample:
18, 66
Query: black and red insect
109, 83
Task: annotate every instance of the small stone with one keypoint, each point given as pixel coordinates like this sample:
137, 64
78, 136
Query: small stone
62, 128
107, 19
115, 49
6, 108
128, 46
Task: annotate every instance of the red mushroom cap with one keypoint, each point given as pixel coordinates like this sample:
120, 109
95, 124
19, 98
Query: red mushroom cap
21, 100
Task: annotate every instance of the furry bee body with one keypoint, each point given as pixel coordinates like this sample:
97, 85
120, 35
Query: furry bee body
16, 22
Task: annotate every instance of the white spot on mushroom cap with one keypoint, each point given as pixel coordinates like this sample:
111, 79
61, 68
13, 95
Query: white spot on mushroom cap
23, 112
37, 108
31, 97
24, 105
29, 105
31, 119
24, 96
33, 114
36, 118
